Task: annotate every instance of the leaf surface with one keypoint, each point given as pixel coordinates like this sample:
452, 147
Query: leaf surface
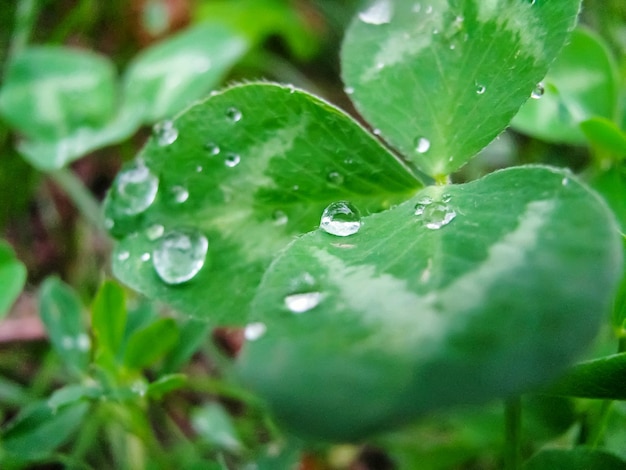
249, 168
441, 79
364, 332
12, 277
575, 459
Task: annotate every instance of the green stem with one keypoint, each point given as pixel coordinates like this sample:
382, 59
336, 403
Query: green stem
84, 201
513, 424
25, 17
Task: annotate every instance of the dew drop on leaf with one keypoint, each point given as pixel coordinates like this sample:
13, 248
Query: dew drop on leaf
422, 203
436, 215
446, 198
378, 13
123, 255
480, 89
254, 331
422, 145
232, 160
212, 148
179, 193
279, 217
165, 133
348, 90
341, 219
135, 189
538, 91
154, 232
145, 257
180, 255
303, 302
335, 177
233, 114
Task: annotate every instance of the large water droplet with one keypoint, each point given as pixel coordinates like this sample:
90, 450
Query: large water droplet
179, 193
303, 302
233, 114
136, 188
436, 215
232, 160
180, 255
341, 219
378, 13
538, 91
422, 145
154, 232
212, 148
335, 177
165, 133
254, 331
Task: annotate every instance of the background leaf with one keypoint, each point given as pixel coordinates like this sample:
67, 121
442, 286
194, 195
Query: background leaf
12, 277
454, 73
575, 459
581, 84
151, 343
62, 314
395, 319
108, 319
248, 168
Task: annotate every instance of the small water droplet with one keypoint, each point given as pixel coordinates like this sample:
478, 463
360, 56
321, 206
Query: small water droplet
532, 2
341, 219
349, 90
83, 343
145, 257
429, 9
233, 114
446, 197
165, 133
136, 188
376, 131
232, 160
565, 181
480, 89
254, 331
380, 65
422, 145
435, 31
108, 223
422, 203
155, 231
538, 91
378, 13
212, 148
279, 217
180, 255
436, 215
291, 88
199, 169
123, 255
303, 302
179, 193
295, 187
335, 177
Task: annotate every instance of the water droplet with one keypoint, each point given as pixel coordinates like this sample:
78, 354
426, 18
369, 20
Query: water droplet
254, 331
233, 114
155, 231
199, 169
422, 145
108, 223
349, 90
83, 343
335, 177
123, 255
145, 257
295, 187
436, 215
380, 65
532, 2
280, 218
565, 181
378, 13
341, 219
422, 203
303, 302
136, 188
446, 197
232, 160
165, 133
376, 131
538, 91
180, 255
480, 89
179, 193
212, 148
429, 9
291, 88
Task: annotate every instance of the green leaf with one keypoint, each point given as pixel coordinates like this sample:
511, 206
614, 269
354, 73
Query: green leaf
148, 345
611, 184
215, 426
39, 429
249, 168
167, 77
12, 278
61, 312
599, 378
70, 394
605, 134
193, 334
498, 285
166, 384
108, 319
579, 458
49, 92
581, 84
441, 79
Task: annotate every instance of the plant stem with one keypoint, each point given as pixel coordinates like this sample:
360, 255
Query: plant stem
25, 17
513, 424
82, 199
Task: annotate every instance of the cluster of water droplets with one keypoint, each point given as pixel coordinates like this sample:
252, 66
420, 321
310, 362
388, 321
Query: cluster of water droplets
435, 214
341, 219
